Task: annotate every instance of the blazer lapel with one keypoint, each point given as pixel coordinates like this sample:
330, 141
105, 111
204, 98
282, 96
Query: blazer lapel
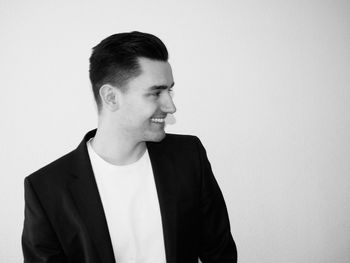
163, 170
87, 200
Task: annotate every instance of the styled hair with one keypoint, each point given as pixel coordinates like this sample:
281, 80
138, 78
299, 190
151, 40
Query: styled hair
115, 59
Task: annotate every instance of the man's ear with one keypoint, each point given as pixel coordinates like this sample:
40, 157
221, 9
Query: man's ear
109, 97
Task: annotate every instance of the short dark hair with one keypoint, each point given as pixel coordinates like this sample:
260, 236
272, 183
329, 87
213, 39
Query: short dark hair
115, 60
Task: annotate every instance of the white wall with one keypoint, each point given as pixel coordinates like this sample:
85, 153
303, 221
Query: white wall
264, 84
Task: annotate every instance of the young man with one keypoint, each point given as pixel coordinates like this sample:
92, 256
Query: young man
129, 192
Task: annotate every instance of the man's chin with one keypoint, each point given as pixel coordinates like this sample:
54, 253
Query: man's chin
156, 137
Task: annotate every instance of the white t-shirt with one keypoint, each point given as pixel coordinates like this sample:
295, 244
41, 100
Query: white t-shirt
131, 206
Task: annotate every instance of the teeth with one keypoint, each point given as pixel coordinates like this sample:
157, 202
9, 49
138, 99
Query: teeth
157, 120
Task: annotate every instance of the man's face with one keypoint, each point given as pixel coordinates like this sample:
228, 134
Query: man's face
146, 101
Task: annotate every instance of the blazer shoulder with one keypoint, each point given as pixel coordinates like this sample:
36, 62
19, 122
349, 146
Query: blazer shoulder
180, 138
179, 143
53, 170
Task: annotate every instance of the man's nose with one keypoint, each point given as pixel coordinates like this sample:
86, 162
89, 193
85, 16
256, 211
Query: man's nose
168, 105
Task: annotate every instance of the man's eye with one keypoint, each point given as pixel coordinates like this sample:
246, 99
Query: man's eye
171, 92
156, 94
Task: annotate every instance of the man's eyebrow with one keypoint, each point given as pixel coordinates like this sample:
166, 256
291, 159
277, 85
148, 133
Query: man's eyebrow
161, 87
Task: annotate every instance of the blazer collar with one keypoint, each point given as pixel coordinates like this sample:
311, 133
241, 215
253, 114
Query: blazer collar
165, 181
87, 199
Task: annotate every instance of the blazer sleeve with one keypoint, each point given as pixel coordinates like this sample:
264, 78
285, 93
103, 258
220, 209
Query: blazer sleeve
217, 244
39, 241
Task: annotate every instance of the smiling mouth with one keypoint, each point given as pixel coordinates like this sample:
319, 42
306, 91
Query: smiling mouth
158, 120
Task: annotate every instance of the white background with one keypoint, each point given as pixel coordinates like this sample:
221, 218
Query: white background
264, 84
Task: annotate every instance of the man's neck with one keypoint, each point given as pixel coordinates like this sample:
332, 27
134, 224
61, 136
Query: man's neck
116, 148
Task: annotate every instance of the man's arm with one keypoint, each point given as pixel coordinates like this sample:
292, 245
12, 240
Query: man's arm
39, 241
217, 244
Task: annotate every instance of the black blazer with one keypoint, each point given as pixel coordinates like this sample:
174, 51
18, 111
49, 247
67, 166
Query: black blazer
65, 221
